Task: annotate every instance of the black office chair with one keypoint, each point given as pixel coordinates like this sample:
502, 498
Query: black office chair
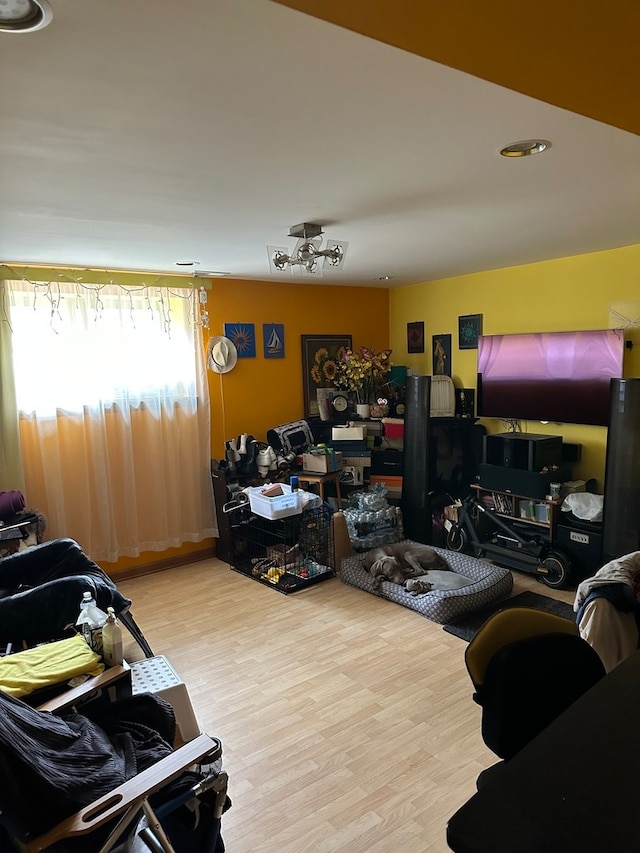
41, 589
527, 666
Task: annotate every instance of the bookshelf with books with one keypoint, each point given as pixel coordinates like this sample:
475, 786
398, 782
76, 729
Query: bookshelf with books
539, 512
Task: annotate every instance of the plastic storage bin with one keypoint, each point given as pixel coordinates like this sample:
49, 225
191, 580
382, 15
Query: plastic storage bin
156, 675
281, 506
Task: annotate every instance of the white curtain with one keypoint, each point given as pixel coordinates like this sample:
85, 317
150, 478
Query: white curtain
114, 413
11, 469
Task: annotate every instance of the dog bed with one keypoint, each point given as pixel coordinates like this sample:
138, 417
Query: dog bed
488, 583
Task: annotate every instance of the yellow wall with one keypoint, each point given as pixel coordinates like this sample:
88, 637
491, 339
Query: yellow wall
565, 294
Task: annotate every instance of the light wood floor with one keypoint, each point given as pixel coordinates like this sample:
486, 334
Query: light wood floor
347, 720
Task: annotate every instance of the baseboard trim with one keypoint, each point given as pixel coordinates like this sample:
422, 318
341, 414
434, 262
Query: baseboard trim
162, 565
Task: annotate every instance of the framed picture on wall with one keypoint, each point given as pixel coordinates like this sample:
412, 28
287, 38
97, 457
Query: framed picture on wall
243, 335
415, 337
441, 352
469, 330
273, 340
320, 357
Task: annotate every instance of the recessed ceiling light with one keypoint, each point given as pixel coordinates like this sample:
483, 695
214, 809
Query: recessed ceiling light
384, 278
24, 16
525, 147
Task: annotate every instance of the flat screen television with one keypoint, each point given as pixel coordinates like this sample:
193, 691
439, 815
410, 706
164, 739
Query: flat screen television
549, 376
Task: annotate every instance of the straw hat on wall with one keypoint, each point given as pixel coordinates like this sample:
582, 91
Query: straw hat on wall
222, 354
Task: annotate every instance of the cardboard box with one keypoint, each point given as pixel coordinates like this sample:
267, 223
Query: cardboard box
348, 433
321, 463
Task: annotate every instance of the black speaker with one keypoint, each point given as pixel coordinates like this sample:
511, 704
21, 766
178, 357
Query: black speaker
526, 451
571, 452
416, 504
621, 510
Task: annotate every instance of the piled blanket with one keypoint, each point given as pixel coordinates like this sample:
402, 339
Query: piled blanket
624, 571
51, 766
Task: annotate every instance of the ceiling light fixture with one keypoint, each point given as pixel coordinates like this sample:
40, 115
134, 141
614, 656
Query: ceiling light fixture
525, 147
307, 253
24, 16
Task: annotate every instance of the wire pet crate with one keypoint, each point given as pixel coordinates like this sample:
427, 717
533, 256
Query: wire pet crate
287, 554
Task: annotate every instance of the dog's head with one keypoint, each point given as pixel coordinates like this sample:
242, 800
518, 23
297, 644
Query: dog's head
385, 566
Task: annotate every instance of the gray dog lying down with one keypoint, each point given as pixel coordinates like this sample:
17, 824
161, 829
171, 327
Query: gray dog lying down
401, 561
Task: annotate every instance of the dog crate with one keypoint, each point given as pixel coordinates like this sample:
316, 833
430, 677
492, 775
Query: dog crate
287, 554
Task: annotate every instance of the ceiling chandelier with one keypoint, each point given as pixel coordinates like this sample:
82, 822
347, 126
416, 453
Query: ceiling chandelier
24, 16
307, 255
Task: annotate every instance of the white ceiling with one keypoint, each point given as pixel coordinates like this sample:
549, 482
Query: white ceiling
138, 133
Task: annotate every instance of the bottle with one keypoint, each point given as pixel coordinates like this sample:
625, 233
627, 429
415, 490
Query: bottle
293, 481
112, 640
90, 622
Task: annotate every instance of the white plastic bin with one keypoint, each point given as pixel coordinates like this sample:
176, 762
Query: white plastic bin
156, 675
280, 506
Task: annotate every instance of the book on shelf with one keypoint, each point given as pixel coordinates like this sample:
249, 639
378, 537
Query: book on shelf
503, 503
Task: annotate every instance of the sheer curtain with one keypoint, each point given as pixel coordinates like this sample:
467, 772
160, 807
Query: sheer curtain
114, 414
11, 469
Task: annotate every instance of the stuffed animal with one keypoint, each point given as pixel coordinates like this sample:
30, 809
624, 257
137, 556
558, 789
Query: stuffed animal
415, 586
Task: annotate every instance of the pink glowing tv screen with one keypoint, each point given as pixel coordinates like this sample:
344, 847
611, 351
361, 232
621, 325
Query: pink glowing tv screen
549, 376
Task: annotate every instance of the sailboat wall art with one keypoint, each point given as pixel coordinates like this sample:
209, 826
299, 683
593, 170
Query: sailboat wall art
273, 340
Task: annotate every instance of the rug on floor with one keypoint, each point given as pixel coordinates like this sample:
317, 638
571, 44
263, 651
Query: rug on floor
467, 627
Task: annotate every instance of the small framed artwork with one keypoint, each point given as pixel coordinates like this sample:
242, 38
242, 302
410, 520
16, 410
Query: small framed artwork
320, 357
441, 351
273, 340
415, 337
469, 330
243, 335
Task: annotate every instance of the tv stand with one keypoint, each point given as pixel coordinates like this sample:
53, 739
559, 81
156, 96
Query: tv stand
489, 525
540, 514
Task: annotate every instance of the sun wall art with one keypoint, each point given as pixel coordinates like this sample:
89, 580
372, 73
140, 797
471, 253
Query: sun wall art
243, 335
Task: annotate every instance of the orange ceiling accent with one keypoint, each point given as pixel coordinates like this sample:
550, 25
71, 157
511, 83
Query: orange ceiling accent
583, 57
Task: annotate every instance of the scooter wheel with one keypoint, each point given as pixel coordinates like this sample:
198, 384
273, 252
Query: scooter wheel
456, 539
557, 570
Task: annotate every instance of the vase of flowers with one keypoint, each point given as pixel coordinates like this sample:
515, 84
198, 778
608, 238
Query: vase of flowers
363, 373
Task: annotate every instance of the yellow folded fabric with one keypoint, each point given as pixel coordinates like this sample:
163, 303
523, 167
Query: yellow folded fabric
24, 672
